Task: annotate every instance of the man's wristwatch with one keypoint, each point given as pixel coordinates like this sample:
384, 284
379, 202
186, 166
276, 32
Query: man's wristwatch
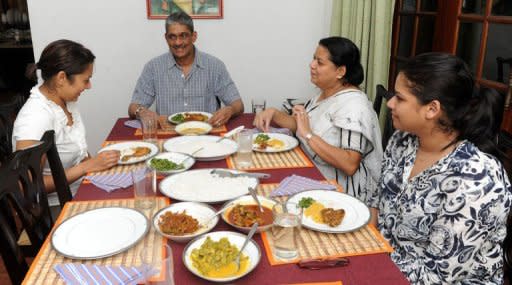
308, 136
137, 111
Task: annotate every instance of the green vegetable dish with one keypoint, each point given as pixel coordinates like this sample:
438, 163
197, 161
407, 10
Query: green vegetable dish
261, 138
179, 118
162, 164
306, 202
213, 255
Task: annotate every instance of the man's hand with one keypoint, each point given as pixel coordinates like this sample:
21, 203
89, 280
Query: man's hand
221, 117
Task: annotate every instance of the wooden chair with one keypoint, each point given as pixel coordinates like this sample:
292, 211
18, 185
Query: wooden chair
8, 112
388, 130
500, 61
24, 203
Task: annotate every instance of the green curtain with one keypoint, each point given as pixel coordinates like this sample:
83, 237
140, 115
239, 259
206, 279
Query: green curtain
368, 23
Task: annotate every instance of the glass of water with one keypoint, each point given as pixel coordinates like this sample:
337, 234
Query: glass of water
285, 228
258, 105
244, 154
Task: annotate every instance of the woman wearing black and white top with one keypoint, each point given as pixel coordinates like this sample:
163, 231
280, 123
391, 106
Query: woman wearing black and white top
338, 128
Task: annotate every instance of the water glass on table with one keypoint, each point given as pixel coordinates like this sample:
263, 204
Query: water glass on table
244, 154
149, 129
144, 188
157, 268
258, 105
285, 229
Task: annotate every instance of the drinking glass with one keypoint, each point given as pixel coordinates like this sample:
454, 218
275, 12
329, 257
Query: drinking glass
258, 105
244, 154
149, 129
287, 222
157, 268
144, 188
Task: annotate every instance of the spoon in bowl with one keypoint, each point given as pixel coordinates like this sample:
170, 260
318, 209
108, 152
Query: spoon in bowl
191, 155
218, 212
247, 239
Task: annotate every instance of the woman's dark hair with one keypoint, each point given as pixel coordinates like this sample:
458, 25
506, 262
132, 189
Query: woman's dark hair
62, 55
344, 52
475, 113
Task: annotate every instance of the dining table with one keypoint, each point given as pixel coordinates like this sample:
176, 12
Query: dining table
372, 268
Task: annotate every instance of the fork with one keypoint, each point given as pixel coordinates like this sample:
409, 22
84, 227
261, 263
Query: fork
247, 239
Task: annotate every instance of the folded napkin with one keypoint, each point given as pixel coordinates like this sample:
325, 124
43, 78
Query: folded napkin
283, 131
295, 184
111, 182
77, 273
133, 124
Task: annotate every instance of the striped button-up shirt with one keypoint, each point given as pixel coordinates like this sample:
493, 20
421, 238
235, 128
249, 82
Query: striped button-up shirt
163, 80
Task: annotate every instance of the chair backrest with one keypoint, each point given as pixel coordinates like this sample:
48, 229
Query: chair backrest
381, 93
500, 62
24, 202
388, 130
23, 198
8, 112
58, 173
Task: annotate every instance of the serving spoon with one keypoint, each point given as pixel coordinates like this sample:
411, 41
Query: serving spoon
191, 155
218, 212
247, 239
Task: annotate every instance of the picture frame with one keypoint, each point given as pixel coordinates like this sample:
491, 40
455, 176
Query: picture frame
197, 9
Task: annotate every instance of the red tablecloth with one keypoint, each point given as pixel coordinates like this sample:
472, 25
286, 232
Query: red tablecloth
368, 269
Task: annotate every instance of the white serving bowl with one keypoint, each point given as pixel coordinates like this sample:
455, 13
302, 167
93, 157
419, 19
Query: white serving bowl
201, 212
248, 200
176, 157
252, 250
193, 128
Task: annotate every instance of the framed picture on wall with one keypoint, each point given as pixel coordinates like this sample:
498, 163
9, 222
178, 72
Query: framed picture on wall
197, 9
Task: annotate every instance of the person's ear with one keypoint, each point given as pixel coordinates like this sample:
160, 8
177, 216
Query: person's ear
194, 37
61, 78
341, 71
433, 109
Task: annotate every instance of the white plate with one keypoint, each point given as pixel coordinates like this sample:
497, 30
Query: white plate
100, 233
248, 200
357, 214
289, 142
201, 186
252, 250
201, 212
212, 150
203, 127
126, 148
174, 157
209, 115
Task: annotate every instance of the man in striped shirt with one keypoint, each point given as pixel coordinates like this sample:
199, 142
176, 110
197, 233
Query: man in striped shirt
185, 79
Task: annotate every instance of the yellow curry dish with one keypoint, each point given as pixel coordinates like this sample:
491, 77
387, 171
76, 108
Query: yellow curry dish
216, 259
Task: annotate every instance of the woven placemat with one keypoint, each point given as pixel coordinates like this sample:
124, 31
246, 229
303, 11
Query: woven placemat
166, 128
313, 244
41, 270
287, 159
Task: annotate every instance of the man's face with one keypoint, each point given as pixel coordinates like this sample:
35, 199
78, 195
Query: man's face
180, 40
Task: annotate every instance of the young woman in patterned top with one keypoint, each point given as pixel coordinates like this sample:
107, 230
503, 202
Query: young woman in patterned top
444, 194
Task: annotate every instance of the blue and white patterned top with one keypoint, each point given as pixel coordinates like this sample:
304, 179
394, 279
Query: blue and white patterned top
163, 80
447, 223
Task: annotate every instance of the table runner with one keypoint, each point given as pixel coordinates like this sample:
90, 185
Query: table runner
41, 270
313, 244
277, 160
166, 128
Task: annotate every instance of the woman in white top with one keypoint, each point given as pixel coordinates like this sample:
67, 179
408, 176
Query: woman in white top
338, 128
66, 68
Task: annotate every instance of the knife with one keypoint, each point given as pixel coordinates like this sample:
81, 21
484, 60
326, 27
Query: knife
225, 173
231, 133
320, 263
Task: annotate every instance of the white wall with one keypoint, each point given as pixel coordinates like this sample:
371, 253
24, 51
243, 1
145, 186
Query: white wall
265, 44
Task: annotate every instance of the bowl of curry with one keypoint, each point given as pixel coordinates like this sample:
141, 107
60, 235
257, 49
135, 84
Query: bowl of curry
243, 212
184, 221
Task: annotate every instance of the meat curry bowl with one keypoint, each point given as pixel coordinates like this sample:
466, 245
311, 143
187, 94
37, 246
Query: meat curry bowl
243, 212
183, 221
